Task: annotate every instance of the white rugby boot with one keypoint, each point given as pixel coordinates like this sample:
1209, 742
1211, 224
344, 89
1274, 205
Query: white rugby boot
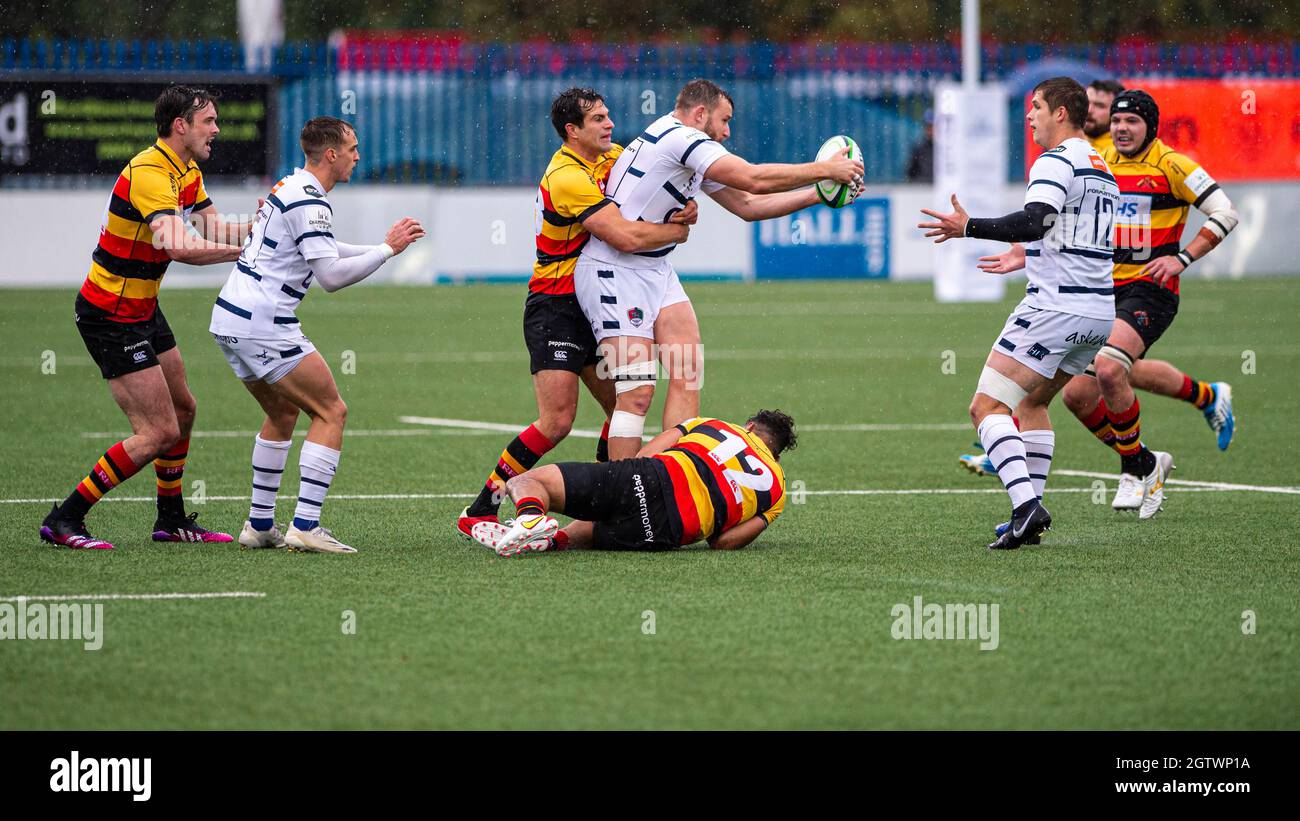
1153, 486
316, 540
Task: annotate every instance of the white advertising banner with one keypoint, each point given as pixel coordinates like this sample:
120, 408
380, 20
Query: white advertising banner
970, 160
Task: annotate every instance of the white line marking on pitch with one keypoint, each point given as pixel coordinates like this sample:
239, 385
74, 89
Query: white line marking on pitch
241, 434
1195, 487
470, 424
236, 594
1186, 483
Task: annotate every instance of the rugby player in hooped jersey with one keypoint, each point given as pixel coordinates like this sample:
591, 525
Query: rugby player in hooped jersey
255, 326
570, 209
1157, 187
1066, 315
634, 301
149, 221
702, 479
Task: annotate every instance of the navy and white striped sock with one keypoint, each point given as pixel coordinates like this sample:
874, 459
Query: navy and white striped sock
1006, 449
1039, 446
317, 465
269, 459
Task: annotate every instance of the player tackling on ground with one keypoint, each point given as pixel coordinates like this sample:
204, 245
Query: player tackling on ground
703, 479
256, 328
1069, 306
147, 224
571, 208
634, 300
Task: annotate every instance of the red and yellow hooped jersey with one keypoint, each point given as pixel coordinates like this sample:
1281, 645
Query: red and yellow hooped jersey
126, 269
1156, 189
721, 475
571, 189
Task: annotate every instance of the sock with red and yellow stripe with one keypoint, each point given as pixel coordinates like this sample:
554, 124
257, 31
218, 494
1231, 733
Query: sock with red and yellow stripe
112, 469
529, 506
1200, 394
1135, 458
1098, 422
170, 467
523, 452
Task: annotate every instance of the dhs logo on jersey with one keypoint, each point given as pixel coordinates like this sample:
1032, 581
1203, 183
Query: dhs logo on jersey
1037, 351
636, 316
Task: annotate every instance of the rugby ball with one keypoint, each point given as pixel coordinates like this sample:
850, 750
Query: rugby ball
835, 194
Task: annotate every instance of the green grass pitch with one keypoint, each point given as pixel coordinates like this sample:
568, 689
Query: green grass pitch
1111, 623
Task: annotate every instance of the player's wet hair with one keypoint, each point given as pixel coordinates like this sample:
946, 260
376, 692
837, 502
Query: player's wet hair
571, 107
179, 101
777, 428
321, 133
1065, 92
1111, 87
702, 92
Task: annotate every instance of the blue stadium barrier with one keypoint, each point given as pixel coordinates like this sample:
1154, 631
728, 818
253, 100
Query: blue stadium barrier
413, 99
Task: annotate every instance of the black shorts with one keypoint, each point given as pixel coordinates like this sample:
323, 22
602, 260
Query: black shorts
557, 334
1146, 308
629, 501
119, 348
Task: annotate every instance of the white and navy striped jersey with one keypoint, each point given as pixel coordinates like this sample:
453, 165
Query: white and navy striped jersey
1070, 268
272, 275
654, 178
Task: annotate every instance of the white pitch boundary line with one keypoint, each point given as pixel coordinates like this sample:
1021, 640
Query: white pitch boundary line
921, 491
240, 434
234, 594
1186, 483
470, 424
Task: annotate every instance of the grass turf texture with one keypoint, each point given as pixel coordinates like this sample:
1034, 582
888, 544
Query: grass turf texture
1111, 623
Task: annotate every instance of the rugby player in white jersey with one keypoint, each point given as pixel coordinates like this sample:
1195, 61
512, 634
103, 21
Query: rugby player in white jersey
254, 323
1067, 226
633, 300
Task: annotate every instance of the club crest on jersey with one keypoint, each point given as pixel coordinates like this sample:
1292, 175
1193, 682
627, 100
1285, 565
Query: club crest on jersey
1037, 351
636, 316
1141, 318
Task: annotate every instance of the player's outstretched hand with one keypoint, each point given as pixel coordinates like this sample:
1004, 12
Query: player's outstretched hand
1164, 269
949, 226
687, 215
843, 170
1012, 259
403, 233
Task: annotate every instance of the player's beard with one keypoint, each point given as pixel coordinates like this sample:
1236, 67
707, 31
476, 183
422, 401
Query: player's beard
1095, 130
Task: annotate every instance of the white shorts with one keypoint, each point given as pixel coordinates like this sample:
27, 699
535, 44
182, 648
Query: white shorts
622, 301
1046, 341
268, 360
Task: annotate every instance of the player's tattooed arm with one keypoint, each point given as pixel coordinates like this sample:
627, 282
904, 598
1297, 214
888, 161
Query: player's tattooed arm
740, 535
608, 224
754, 207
